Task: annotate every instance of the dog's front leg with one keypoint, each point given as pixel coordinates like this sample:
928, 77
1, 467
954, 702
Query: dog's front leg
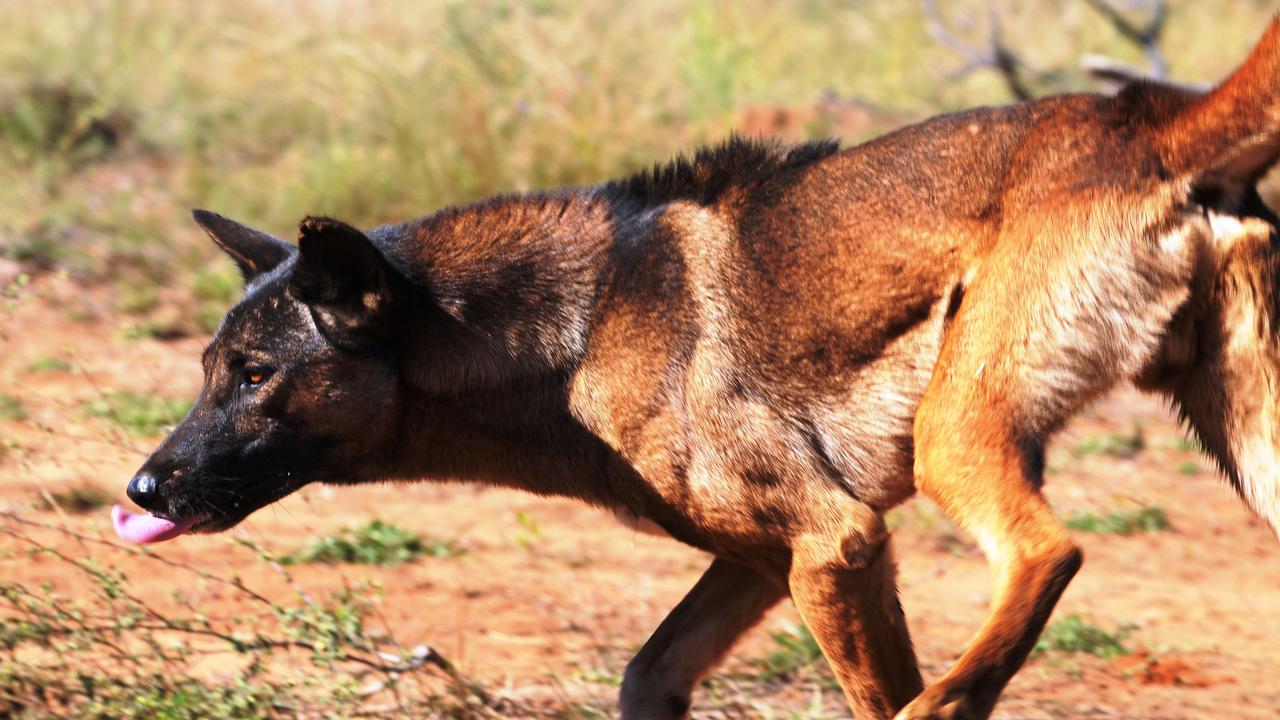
843, 585
984, 488
1074, 298
728, 600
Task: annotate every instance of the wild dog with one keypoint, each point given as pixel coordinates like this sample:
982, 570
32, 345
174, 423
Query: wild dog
763, 349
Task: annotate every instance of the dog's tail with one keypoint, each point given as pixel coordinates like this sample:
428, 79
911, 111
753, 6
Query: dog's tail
1231, 134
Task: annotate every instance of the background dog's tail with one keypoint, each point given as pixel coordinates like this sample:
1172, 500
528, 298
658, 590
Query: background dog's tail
1231, 133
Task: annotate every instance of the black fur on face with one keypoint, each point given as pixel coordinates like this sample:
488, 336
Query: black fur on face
300, 381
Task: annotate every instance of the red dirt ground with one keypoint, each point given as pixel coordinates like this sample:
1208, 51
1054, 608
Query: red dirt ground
552, 606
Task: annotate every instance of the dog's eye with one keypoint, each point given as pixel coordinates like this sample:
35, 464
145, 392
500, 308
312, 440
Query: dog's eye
255, 376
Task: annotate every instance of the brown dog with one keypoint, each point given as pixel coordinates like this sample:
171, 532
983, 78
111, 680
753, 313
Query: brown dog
762, 350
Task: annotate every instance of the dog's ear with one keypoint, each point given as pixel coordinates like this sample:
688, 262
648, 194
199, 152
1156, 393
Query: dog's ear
345, 281
254, 251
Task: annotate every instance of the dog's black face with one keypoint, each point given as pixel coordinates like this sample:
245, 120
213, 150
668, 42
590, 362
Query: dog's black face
300, 384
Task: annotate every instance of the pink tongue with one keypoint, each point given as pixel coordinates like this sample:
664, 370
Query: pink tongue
141, 528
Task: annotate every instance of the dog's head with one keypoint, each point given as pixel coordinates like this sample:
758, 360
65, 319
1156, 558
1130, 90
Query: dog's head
301, 383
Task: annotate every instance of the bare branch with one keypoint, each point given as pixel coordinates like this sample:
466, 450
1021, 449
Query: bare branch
1147, 37
996, 56
1114, 75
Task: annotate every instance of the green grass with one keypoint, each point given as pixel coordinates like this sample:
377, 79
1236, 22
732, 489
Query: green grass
375, 543
530, 534
11, 408
142, 415
1117, 445
1121, 522
48, 364
795, 651
1072, 634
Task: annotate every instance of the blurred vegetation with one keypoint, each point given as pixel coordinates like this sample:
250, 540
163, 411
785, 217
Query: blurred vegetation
374, 543
796, 651
1074, 634
11, 408
1121, 522
1120, 445
116, 116
78, 499
144, 415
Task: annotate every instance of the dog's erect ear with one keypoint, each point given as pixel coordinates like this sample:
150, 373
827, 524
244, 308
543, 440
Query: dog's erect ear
254, 251
345, 281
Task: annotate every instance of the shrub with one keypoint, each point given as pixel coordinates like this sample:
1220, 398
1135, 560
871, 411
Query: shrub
108, 653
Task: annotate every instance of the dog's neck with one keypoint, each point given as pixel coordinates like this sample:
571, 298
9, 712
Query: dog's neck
520, 436
504, 289
505, 294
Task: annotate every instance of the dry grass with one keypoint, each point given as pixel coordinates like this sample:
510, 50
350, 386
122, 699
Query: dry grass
115, 117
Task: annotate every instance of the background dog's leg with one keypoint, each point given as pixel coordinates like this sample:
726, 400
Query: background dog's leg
728, 600
851, 605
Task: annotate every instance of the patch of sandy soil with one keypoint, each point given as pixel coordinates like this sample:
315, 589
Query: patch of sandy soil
552, 597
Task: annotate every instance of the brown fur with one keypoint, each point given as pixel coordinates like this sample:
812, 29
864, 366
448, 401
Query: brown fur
762, 350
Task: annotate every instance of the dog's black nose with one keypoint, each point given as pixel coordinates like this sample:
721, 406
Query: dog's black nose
143, 490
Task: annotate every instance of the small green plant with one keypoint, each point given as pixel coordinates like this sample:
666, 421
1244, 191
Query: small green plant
796, 651
48, 364
79, 499
530, 530
599, 676
375, 543
1190, 467
1117, 445
137, 299
11, 408
1121, 522
143, 415
1073, 634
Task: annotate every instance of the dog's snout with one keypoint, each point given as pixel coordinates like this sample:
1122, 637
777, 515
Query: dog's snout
144, 490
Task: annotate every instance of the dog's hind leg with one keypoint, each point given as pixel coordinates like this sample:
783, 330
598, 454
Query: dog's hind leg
727, 601
843, 585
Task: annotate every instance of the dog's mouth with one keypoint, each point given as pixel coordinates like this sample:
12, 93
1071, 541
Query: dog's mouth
145, 528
